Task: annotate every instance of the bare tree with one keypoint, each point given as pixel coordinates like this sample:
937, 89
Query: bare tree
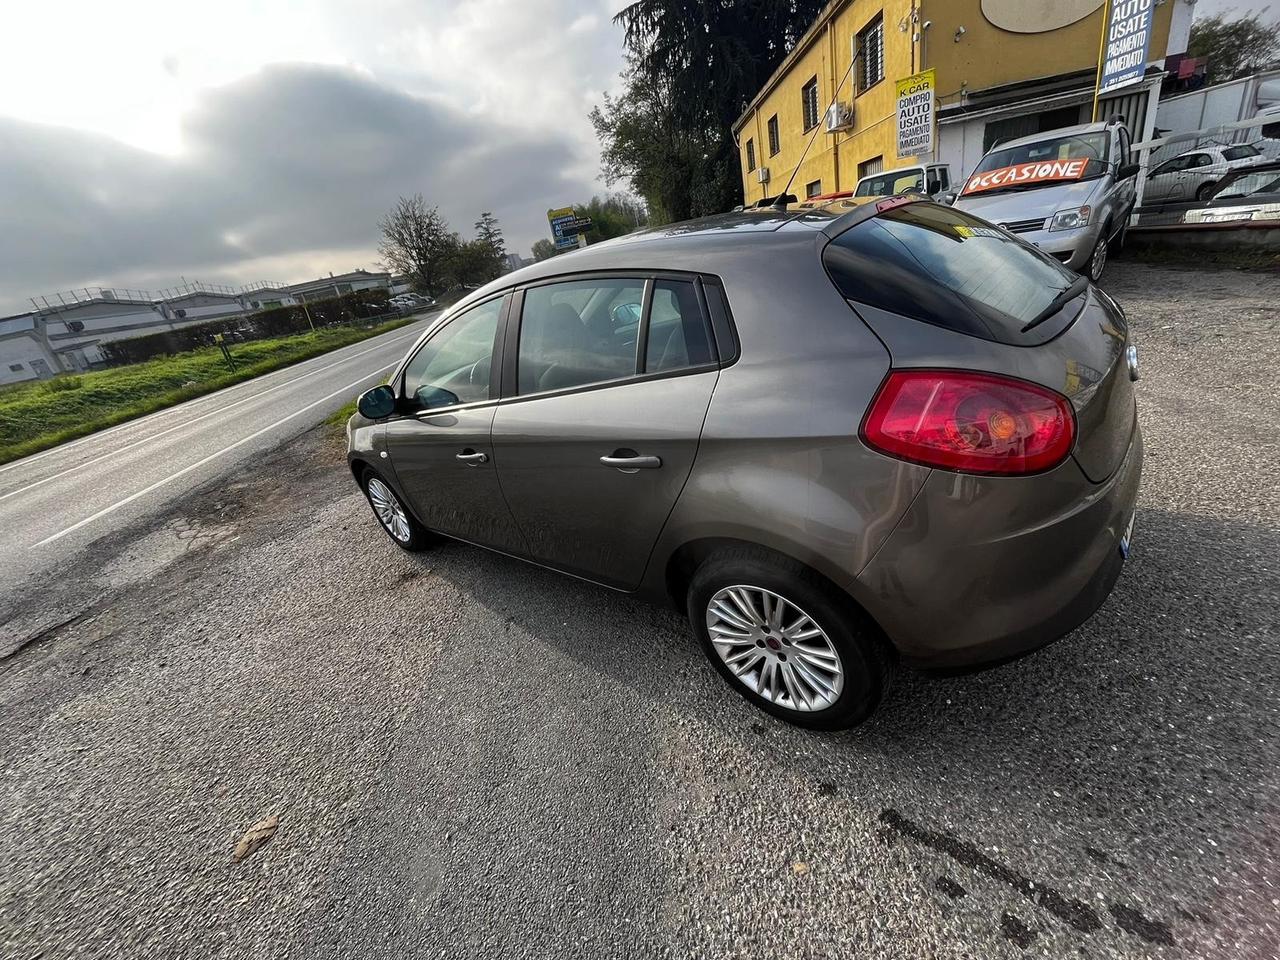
417, 242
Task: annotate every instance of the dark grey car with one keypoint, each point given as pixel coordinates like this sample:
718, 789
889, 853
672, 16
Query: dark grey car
833, 438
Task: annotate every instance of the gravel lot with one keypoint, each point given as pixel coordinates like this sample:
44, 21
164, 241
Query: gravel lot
471, 757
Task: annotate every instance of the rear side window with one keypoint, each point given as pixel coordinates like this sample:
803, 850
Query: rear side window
947, 268
678, 334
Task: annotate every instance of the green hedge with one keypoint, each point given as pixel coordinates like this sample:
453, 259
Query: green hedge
357, 306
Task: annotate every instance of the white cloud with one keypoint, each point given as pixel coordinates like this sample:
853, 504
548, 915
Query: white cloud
194, 142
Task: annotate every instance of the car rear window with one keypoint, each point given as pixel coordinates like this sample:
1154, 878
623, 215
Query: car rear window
1241, 152
947, 268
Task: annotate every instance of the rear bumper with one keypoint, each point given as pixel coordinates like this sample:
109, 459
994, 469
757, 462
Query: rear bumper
982, 569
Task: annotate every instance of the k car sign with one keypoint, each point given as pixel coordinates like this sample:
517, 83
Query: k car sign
1124, 54
915, 115
1037, 172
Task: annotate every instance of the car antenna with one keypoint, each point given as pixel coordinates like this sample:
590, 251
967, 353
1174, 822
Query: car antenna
781, 202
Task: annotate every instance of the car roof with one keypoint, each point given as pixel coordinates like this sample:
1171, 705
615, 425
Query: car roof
1075, 131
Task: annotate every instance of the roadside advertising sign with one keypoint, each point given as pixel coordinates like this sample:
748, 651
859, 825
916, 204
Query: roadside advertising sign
562, 227
1038, 171
915, 114
1125, 44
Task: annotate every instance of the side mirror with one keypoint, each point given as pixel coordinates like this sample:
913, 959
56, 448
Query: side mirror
948, 197
377, 403
1129, 170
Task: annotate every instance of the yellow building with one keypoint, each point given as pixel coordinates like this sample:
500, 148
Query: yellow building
1004, 68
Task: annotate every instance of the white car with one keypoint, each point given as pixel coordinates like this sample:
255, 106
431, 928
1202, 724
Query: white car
1194, 174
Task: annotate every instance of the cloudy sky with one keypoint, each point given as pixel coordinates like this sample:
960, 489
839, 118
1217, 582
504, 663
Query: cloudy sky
241, 140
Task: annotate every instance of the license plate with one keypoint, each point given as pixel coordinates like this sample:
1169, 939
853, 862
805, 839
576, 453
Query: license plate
1226, 217
1127, 538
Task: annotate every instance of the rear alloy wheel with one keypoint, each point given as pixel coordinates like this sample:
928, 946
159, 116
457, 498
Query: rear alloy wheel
400, 525
789, 645
1098, 259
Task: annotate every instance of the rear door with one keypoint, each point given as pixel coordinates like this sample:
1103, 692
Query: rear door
606, 385
439, 443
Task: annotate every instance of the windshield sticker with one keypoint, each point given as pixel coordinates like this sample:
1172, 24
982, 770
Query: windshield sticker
1020, 173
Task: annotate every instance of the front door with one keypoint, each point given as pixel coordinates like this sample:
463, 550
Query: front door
596, 444
440, 442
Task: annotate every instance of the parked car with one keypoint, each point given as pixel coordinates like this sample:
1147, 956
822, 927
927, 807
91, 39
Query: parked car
1252, 193
931, 179
833, 437
1068, 191
1196, 173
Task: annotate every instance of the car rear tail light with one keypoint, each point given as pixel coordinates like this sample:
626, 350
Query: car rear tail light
970, 422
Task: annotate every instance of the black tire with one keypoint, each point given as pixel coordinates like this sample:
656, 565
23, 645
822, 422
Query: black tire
865, 658
417, 537
1118, 241
1096, 265
1203, 191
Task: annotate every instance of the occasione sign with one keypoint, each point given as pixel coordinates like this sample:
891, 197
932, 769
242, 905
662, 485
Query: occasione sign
1039, 171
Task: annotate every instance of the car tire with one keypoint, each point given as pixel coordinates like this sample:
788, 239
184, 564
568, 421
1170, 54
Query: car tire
392, 515
1122, 235
1097, 262
793, 688
1203, 191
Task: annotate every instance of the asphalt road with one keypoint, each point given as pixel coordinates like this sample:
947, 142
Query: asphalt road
54, 503
472, 757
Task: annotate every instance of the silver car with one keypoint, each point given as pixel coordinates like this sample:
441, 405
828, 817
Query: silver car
832, 438
1195, 174
1068, 191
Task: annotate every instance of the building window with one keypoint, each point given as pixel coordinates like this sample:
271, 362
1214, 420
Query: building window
774, 145
870, 50
809, 103
751, 155
811, 190
15, 367
867, 167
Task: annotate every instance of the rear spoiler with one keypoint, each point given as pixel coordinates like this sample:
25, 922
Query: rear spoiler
868, 210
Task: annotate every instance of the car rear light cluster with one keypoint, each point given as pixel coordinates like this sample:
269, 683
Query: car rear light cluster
970, 422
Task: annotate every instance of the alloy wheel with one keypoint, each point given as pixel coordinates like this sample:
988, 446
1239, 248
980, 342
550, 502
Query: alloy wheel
388, 510
1098, 262
774, 648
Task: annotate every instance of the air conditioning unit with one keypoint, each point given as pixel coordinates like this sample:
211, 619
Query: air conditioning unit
762, 174
839, 117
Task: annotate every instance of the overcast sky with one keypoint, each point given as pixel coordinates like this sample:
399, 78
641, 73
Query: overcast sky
241, 140
237, 141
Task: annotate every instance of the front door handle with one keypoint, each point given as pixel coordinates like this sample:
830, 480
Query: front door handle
471, 458
632, 464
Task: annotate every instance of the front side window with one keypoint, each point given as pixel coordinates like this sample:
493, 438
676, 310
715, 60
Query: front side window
809, 104
774, 144
578, 332
870, 52
454, 366
678, 333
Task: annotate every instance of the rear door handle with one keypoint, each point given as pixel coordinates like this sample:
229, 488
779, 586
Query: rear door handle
631, 464
471, 458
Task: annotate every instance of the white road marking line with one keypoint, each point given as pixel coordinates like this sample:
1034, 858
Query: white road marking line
98, 435
213, 456
187, 423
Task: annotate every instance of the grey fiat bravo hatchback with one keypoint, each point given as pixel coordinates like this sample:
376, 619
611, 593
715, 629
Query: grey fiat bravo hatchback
834, 438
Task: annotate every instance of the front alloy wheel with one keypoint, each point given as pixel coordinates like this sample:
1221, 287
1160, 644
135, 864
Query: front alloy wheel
774, 648
400, 525
1098, 259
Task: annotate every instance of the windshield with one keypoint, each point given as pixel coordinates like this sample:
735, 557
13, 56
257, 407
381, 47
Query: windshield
1264, 181
1090, 151
948, 268
890, 182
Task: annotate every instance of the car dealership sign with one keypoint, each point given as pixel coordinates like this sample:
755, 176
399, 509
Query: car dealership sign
1039, 171
915, 114
1125, 44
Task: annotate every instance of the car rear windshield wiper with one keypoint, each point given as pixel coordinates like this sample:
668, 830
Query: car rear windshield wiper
1058, 302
